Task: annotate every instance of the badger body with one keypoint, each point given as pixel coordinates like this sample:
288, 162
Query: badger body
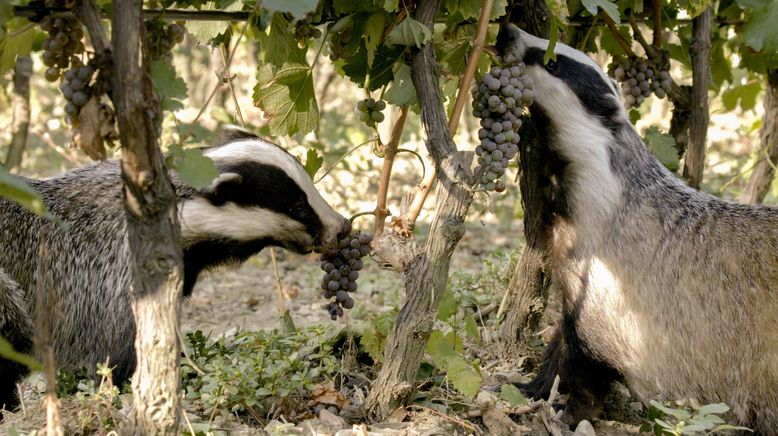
262, 197
666, 288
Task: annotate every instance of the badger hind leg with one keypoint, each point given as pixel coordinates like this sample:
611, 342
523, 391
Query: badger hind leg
16, 327
585, 379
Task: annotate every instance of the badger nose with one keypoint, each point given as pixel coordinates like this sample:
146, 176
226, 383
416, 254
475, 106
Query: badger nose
345, 228
506, 38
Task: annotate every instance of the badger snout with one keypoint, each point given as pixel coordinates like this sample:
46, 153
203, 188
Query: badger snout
337, 230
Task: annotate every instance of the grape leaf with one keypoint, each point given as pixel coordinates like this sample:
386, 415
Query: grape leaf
448, 305
313, 161
662, 146
609, 7
16, 42
287, 98
558, 13
721, 70
195, 169
453, 55
390, 5
469, 9
696, 7
409, 33
512, 395
498, 9
760, 31
279, 45
401, 91
609, 43
745, 93
463, 377
170, 88
381, 72
471, 328
14, 188
7, 352
374, 29
6, 14
298, 8
343, 7
211, 31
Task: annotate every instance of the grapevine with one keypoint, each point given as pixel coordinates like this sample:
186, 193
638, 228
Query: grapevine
341, 266
76, 88
162, 38
499, 100
639, 80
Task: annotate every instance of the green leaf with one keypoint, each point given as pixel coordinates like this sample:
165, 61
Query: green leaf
206, 32
498, 9
469, 9
610, 8
634, 116
721, 70
448, 305
471, 328
662, 146
463, 377
279, 45
760, 31
170, 88
16, 42
609, 43
374, 29
401, 91
313, 161
288, 326
287, 98
678, 413
696, 7
381, 72
7, 352
195, 169
453, 55
745, 93
512, 395
343, 7
298, 8
409, 33
717, 408
14, 188
6, 14
390, 5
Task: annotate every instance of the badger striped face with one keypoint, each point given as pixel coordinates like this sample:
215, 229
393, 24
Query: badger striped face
263, 196
572, 84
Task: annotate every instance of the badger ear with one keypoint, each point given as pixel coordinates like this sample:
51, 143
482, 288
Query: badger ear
221, 181
234, 133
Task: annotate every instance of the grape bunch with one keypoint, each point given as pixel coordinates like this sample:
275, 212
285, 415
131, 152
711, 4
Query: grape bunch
369, 111
306, 28
62, 43
340, 37
499, 100
341, 266
76, 88
161, 38
639, 80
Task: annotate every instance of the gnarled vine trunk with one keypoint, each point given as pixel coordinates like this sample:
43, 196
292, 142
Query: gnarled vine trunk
427, 275
764, 170
20, 124
694, 163
153, 231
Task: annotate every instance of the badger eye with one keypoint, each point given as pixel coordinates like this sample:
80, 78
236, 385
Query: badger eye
551, 65
299, 209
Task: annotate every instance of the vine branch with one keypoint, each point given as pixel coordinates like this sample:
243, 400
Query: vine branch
381, 212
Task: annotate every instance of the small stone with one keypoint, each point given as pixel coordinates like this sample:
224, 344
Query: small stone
584, 428
332, 419
637, 406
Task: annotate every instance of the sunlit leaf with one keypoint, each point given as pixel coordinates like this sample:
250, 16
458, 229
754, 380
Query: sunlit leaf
448, 305
374, 29
7, 352
401, 91
745, 94
313, 162
463, 377
16, 42
761, 32
609, 7
471, 328
278, 43
409, 33
287, 98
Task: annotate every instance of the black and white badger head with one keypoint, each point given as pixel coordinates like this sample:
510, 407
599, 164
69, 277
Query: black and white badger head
262, 197
585, 122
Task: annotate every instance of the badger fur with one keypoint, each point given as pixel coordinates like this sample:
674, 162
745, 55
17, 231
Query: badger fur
261, 197
667, 288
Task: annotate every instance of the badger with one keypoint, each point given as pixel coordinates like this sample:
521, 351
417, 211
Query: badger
670, 290
261, 197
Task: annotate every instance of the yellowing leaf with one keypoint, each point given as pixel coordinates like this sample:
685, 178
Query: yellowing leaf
287, 98
409, 33
16, 42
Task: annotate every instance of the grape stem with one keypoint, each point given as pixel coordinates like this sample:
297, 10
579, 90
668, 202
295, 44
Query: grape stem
421, 160
381, 212
359, 214
619, 37
650, 50
657, 23
343, 156
408, 219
